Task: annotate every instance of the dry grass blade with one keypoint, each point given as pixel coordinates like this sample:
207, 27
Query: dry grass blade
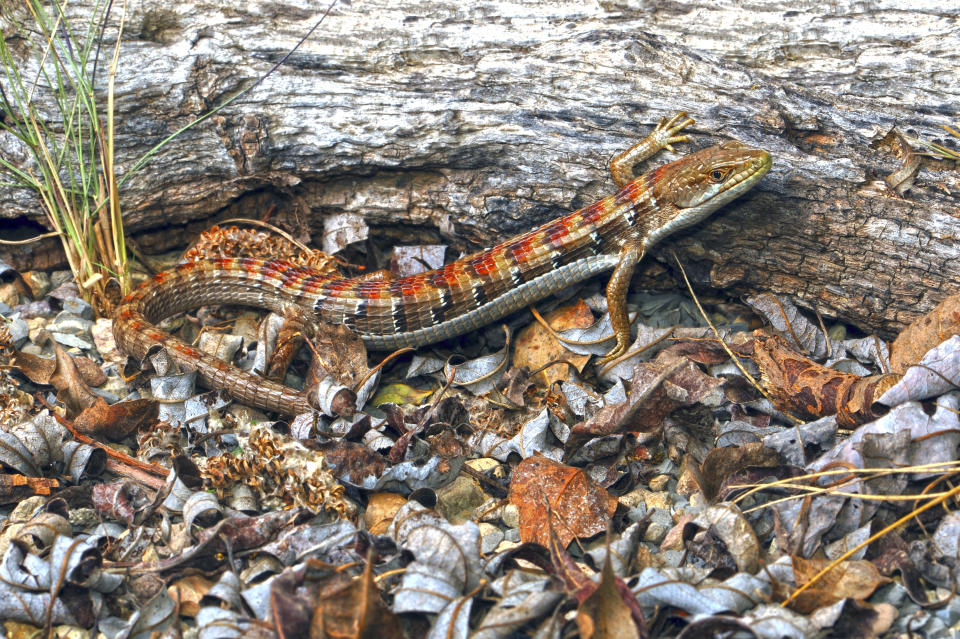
716, 333
836, 562
938, 150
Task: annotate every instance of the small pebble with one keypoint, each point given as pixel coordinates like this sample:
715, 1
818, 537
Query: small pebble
660, 524
66, 339
490, 538
59, 277
19, 331
9, 294
660, 482
38, 281
79, 307
510, 515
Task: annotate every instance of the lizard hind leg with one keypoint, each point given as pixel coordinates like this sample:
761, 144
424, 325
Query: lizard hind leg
630, 254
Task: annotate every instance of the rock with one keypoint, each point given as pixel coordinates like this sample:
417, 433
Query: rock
39, 308
19, 330
510, 515
79, 307
102, 333
38, 281
9, 294
660, 524
660, 482
83, 518
73, 341
482, 464
70, 324
490, 538
457, 500
59, 277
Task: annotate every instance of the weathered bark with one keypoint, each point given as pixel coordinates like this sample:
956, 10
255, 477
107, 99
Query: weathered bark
471, 122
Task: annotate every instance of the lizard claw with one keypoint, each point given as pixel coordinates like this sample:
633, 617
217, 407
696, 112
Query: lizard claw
665, 133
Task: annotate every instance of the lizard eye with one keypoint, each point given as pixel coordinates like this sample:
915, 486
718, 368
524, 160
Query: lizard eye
717, 176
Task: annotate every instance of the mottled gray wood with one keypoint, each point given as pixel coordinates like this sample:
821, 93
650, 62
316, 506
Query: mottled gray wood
468, 122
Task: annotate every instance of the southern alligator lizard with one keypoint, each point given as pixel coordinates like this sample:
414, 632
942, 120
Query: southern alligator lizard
613, 234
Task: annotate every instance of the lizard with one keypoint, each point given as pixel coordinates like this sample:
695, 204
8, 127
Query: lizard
611, 234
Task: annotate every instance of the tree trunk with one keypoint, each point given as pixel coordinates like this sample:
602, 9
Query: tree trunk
469, 122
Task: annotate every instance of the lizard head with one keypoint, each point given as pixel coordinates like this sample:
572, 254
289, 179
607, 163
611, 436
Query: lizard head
702, 182
696, 185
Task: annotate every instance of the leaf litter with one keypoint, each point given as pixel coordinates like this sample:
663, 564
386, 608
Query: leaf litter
515, 492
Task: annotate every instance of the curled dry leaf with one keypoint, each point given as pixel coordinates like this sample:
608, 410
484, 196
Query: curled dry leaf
800, 385
797, 331
936, 373
603, 614
924, 333
536, 346
118, 500
854, 579
115, 421
729, 525
548, 492
40, 370
338, 353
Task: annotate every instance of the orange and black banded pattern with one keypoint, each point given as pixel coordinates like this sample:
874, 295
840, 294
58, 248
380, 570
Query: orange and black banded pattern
462, 296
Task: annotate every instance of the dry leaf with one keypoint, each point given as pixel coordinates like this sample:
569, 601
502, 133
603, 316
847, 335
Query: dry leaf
924, 333
40, 370
720, 463
800, 385
381, 508
604, 615
575, 504
115, 421
536, 346
353, 610
189, 591
854, 579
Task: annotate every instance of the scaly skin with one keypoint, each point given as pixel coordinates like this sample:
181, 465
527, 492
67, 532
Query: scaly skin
613, 233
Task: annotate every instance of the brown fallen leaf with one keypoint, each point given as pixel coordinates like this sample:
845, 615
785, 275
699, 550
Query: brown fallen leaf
319, 601
720, 463
658, 388
855, 579
924, 333
72, 390
40, 370
577, 583
603, 614
381, 508
548, 492
115, 421
188, 591
536, 346
355, 610
800, 385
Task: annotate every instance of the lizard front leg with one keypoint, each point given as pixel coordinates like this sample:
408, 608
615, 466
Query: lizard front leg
663, 136
630, 254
